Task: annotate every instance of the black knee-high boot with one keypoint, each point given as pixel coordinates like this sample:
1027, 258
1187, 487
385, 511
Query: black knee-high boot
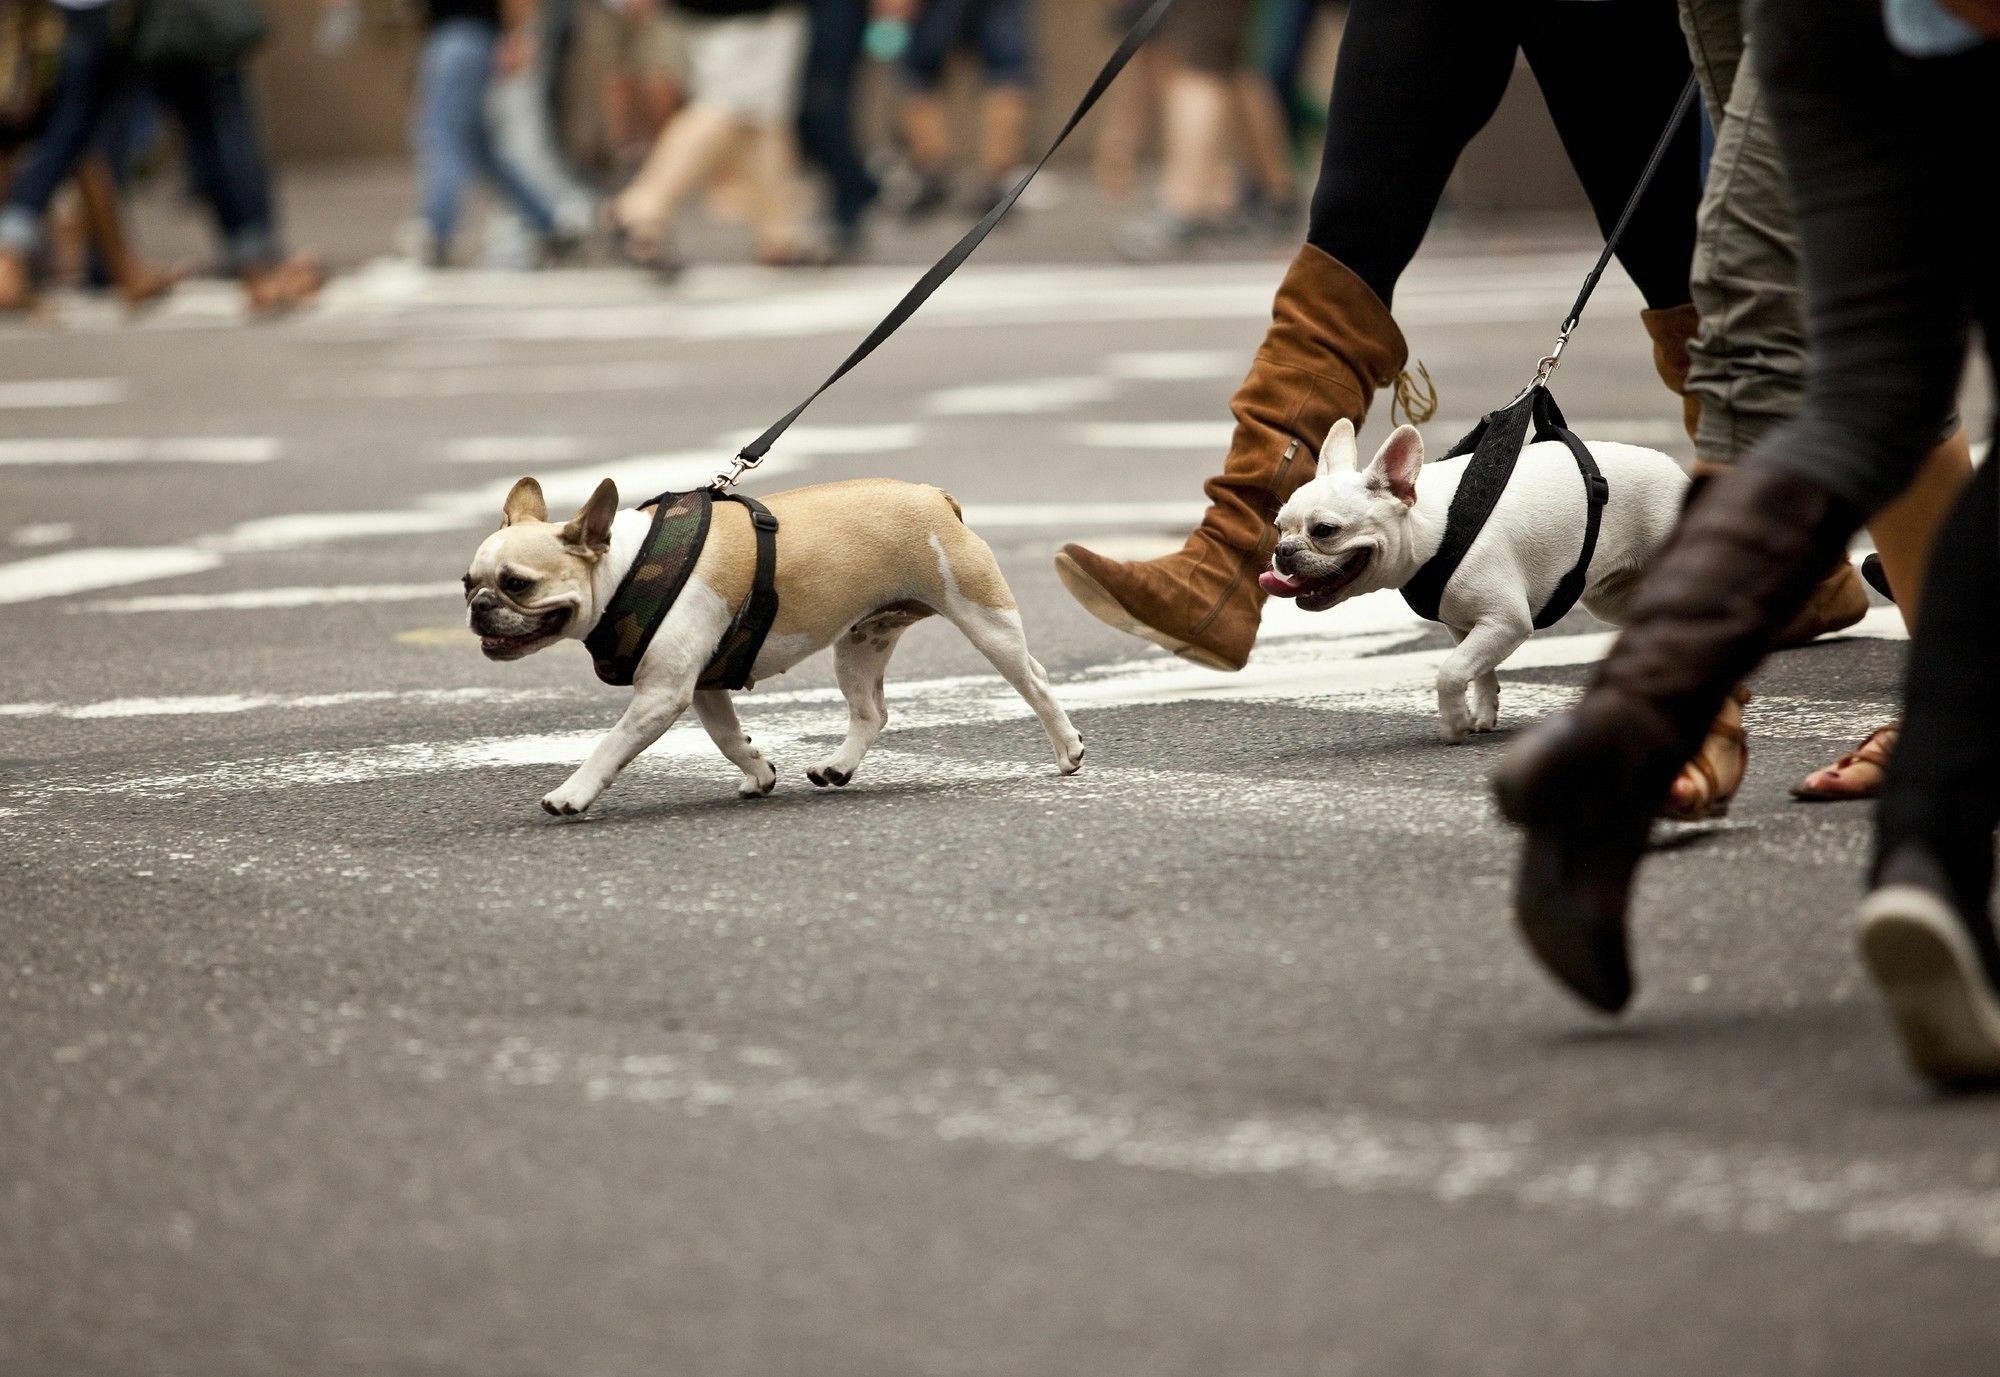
1586, 784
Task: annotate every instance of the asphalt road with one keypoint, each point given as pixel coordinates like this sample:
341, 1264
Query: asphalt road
326, 1052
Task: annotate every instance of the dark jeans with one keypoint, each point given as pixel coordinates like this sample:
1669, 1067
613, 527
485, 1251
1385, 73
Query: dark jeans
826, 115
218, 128
1416, 79
1890, 166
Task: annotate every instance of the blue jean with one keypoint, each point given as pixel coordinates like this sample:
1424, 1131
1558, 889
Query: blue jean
826, 115
997, 30
452, 137
89, 77
218, 130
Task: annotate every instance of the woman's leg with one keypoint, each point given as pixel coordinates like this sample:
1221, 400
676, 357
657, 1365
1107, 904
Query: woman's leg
1611, 74
1416, 79
87, 81
1884, 280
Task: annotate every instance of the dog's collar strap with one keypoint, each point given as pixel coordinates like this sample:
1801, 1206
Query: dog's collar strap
653, 584
1495, 445
650, 587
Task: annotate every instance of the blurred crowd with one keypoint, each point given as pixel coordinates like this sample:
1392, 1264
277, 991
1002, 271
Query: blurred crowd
755, 109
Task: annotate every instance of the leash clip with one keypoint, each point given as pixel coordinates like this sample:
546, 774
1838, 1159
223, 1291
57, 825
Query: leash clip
732, 475
1552, 360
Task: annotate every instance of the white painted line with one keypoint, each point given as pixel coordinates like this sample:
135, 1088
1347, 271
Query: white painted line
1178, 365
1346, 670
1033, 397
228, 703
39, 533
515, 449
80, 571
257, 599
313, 528
197, 449
1206, 435
806, 441
35, 394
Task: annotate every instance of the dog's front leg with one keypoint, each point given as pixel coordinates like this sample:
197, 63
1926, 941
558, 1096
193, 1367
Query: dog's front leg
1478, 656
651, 712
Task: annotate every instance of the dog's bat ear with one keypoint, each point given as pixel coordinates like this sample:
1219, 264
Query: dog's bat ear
1396, 464
524, 503
589, 531
1339, 452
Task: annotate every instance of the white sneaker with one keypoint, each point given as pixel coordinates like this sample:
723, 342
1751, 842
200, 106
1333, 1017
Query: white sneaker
1915, 944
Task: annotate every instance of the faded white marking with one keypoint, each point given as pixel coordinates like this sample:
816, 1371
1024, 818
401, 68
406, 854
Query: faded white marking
1756, 1189
515, 449
1063, 515
44, 533
37, 393
256, 599
559, 379
1035, 396
1178, 365
80, 571
193, 449
211, 705
1208, 435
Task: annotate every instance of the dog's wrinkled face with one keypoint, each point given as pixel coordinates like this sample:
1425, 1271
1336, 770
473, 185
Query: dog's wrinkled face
1347, 531
532, 582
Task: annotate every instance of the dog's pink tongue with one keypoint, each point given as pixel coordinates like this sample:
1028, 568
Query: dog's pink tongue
1278, 586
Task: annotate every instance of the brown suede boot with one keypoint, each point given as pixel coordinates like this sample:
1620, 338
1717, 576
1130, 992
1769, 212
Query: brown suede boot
17, 282
1586, 783
1331, 344
1671, 329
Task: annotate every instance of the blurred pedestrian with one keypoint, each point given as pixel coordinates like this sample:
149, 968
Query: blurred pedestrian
642, 90
467, 43
999, 33
1873, 147
196, 73
1416, 80
745, 59
524, 111
839, 29
1214, 103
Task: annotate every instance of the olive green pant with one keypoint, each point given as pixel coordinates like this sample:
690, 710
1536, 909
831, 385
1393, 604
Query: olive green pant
1747, 362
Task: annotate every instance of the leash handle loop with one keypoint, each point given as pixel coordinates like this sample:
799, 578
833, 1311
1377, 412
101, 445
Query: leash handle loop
752, 454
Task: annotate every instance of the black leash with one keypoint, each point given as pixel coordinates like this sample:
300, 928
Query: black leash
1495, 444
753, 453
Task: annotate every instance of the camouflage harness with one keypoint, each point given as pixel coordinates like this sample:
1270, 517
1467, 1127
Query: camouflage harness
665, 561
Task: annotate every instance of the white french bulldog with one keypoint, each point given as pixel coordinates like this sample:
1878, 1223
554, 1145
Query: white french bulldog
858, 563
1361, 527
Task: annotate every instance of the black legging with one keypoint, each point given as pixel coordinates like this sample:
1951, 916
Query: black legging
1417, 79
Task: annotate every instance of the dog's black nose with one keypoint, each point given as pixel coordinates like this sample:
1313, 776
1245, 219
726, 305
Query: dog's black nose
485, 600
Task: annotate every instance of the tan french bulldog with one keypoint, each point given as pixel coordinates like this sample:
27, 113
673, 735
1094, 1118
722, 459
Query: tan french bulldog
858, 563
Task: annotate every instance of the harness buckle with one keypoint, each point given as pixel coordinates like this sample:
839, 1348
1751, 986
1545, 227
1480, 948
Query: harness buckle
761, 518
1598, 489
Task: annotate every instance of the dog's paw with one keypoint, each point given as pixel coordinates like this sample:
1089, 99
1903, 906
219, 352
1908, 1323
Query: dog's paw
1454, 727
1069, 756
760, 787
1486, 717
829, 776
568, 801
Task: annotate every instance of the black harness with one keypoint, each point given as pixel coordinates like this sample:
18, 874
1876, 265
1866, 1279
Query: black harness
1495, 445
664, 564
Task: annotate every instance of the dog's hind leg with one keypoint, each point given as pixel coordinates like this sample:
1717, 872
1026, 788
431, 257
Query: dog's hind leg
996, 633
860, 659
717, 712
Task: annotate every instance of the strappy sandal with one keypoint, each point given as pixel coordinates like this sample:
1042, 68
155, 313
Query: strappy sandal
1856, 775
1708, 784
